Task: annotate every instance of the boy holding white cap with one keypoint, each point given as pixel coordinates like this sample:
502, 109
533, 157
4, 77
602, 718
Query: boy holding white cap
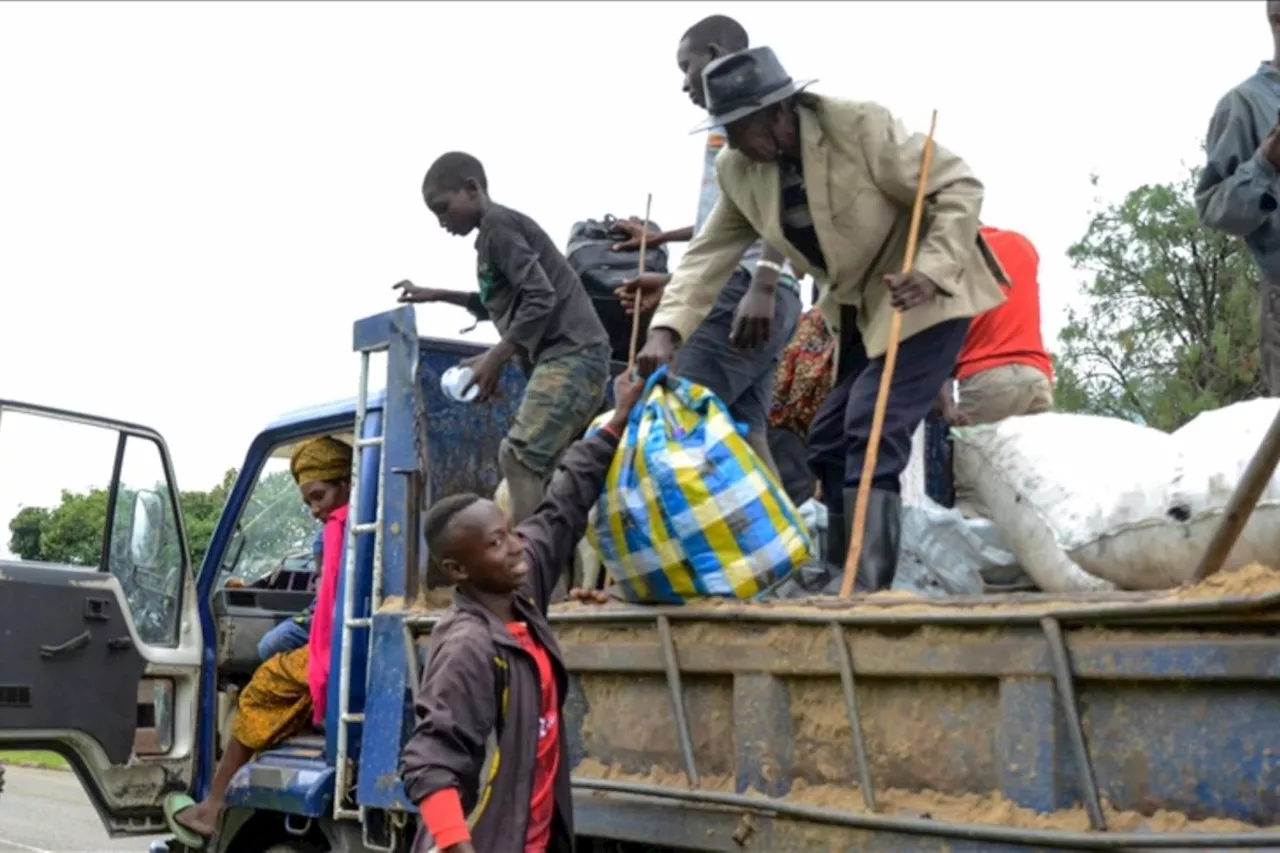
543, 314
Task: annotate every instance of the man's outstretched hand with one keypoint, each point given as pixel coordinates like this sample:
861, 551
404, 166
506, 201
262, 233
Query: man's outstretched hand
659, 349
646, 287
626, 393
753, 318
486, 375
633, 228
410, 292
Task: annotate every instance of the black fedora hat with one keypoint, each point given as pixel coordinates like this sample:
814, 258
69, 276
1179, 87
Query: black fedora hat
743, 83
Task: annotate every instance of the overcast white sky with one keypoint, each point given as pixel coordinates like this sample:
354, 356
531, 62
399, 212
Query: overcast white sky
197, 199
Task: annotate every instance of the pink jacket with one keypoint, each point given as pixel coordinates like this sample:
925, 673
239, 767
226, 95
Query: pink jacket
320, 641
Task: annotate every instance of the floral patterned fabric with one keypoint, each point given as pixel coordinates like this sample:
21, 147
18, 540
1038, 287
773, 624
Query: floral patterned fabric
804, 375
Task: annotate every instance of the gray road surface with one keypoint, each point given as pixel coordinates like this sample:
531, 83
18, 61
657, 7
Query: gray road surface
45, 811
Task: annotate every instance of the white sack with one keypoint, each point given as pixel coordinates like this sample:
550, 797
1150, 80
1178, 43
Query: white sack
1215, 448
1063, 486
1086, 502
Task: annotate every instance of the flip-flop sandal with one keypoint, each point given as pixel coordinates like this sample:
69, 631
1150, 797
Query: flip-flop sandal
174, 804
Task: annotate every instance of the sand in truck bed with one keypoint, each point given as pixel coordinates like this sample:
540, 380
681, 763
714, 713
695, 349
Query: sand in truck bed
1254, 580
820, 715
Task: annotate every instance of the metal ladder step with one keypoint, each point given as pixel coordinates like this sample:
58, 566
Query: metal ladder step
343, 778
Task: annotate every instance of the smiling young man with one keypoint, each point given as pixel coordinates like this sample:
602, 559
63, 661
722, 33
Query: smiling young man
831, 184
494, 683
541, 310
736, 348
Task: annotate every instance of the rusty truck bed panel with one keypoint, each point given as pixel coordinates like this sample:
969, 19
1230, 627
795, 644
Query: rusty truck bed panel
961, 721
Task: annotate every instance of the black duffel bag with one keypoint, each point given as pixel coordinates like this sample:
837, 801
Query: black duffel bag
602, 270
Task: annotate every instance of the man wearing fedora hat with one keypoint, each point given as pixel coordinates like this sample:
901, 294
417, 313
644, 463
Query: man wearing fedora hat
830, 183
736, 348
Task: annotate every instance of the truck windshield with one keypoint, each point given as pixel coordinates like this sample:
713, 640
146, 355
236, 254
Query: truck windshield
274, 540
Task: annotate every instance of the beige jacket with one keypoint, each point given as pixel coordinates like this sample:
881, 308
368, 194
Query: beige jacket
861, 171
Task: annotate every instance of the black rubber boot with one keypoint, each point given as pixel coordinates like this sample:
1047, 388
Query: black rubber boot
837, 538
878, 562
837, 544
883, 535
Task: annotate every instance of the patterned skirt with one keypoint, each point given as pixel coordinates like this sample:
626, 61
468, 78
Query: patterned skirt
276, 703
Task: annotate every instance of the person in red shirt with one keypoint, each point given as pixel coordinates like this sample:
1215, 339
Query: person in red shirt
487, 764
1003, 368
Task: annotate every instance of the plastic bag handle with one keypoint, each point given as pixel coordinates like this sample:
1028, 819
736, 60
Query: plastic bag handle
633, 420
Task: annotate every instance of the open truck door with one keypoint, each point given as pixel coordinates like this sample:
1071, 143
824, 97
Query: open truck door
100, 647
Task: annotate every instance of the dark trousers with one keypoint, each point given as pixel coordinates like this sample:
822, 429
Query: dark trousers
841, 430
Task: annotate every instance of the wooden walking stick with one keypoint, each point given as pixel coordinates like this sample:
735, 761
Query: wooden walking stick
886, 381
635, 313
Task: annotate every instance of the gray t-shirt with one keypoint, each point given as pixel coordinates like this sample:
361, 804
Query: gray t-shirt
535, 299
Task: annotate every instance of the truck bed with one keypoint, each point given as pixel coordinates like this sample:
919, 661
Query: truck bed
963, 738
889, 723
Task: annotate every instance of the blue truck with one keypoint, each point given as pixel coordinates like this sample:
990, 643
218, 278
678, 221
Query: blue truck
1015, 722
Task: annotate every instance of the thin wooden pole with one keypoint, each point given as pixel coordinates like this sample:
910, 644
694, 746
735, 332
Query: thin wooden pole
635, 314
886, 380
1257, 476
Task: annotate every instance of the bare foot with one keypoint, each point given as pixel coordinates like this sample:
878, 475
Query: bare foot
202, 818
588, 596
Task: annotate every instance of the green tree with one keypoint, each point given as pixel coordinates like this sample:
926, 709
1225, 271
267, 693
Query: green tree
275, 525
25, 530
73, 531
1169, 327
200, 514
70, 533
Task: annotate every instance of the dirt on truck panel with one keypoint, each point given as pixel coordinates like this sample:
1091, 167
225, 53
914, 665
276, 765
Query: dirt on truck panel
990, 809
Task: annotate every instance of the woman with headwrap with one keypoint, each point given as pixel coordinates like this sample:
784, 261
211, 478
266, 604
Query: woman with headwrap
288, 690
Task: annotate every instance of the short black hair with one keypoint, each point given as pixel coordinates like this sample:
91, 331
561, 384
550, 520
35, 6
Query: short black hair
437, 521
451, 171
719, 30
